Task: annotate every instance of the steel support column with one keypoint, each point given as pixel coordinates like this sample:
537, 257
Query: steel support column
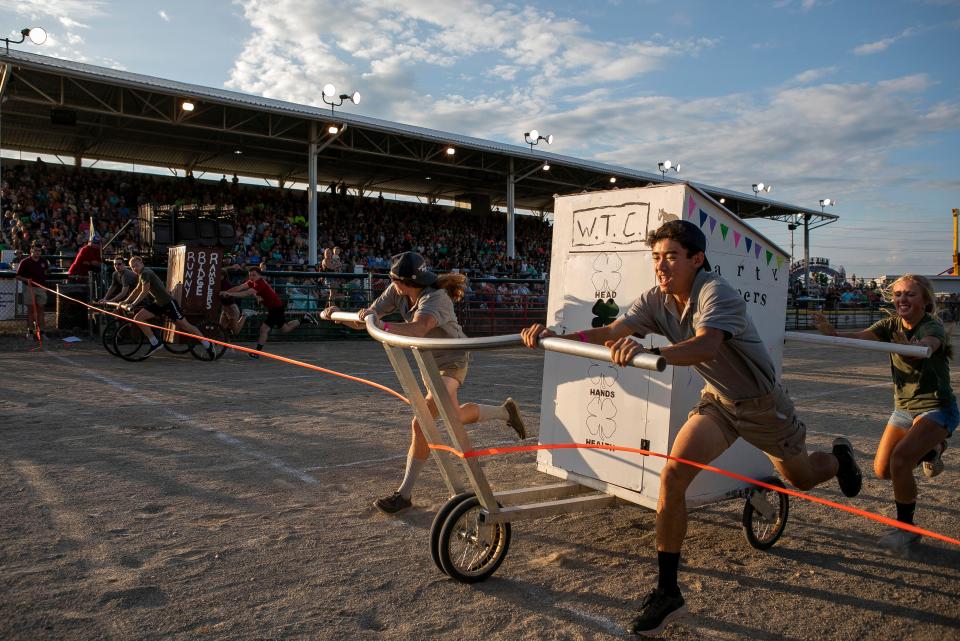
806, 253
312, 194
511, 250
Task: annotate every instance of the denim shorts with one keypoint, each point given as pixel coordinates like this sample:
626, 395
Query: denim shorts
947, 417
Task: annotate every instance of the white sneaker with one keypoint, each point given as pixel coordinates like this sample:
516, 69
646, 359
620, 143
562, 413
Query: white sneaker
934, 467
897, 539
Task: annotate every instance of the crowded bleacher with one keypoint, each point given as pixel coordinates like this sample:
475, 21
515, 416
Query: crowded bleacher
53, 205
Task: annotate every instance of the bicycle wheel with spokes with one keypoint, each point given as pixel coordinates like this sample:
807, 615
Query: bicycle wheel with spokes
109, 331
129, 343
471, 551
763, 530
179, 345
210, 330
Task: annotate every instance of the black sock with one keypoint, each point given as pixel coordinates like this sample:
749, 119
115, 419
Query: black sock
669, 563
905, 512
259, 347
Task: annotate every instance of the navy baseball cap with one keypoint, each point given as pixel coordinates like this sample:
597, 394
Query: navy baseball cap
410, 267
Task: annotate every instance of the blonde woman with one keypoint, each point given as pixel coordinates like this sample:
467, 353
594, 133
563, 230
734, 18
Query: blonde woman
925, 408
425, 302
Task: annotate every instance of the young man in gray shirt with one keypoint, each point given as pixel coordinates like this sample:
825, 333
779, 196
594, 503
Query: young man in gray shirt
707, 324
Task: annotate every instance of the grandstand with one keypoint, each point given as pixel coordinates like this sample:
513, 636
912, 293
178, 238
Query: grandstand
82, 111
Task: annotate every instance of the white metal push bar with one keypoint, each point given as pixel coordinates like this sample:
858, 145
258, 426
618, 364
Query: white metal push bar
914, 351
574, 348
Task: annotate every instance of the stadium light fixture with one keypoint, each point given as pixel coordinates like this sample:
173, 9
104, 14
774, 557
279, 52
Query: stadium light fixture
186, 105
333, 130
762, 187
331, 98
546, 166
238, 152
826, 202
613, 179
723, 200
666, 165
37, 35
451, 151
533, 137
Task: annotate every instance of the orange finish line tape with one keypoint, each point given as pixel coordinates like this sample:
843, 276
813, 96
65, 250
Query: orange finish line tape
496, 451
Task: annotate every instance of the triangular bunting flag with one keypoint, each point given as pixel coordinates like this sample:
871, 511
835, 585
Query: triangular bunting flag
690, 206
779, 262
748, 242
703, 217
756, 250
713, 224
769, 256
723, 230
736, 238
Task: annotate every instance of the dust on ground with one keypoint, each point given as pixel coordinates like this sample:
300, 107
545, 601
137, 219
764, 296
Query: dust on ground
176, 499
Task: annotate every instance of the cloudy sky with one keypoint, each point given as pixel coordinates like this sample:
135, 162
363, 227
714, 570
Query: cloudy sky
857, 101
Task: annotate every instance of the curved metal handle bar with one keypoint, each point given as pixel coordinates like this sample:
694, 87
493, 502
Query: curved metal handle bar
586, 350
914, 351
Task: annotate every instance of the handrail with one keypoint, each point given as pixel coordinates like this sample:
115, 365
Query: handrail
644, 360
913, 351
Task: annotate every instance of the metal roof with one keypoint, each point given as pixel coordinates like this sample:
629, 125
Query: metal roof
128, 117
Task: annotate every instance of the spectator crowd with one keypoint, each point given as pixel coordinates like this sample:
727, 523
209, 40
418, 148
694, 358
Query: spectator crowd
53, 205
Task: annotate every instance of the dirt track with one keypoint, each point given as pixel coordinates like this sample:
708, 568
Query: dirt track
176, 499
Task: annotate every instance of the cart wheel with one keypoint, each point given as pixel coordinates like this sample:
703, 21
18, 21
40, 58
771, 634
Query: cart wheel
176, 348
469, 551
762, 532
109, 331
438, 522
210, 330
129, 341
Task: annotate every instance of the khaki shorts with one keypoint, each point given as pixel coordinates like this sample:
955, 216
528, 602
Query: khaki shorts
457, 371
39, 295
769, 422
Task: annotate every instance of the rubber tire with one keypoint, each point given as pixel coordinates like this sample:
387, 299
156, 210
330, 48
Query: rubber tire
129, 341
438, 522
493, 558
751, 517
198, 351
109, 331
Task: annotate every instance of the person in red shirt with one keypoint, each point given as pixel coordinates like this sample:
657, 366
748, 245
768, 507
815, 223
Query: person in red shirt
33, 269
257, 285
87, 259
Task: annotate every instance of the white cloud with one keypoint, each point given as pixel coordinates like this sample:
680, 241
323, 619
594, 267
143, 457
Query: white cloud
870, 48
812, 75
163, 15
391, 49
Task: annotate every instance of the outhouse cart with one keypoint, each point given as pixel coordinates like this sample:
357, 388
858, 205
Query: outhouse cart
599, 265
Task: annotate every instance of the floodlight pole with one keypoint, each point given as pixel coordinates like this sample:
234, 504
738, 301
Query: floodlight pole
511, 251
312, 195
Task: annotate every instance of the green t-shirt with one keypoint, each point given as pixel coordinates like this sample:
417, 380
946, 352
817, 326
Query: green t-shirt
921, 384
158, 289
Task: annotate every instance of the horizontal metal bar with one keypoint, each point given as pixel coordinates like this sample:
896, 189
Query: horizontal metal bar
914, 351
548, 508
643, 360
541, 493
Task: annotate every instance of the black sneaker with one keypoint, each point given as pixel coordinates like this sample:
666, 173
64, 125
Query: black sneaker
253, 355
152, 348
848, 474
393, 503
656, 611
211, 351
515, 421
